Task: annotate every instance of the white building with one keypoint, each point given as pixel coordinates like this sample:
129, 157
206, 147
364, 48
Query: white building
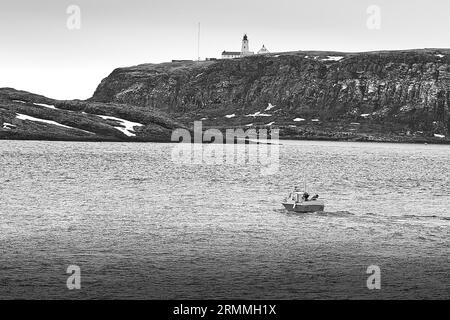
231, 54
245, 50
263, 50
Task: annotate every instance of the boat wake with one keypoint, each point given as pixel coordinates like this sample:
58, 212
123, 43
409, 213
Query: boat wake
369, 214
335, 213
425, 217
319, 213
410, 217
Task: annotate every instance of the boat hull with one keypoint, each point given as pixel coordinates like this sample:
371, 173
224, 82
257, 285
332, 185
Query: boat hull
305, 207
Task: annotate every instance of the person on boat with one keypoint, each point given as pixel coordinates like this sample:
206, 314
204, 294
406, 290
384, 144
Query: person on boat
305, 196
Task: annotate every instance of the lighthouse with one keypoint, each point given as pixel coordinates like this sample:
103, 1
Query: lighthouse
245, 51
245, 48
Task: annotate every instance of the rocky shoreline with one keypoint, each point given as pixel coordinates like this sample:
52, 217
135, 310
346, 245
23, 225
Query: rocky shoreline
363, 138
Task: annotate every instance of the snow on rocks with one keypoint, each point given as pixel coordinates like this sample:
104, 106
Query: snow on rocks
333, 58
8, 126
37, 104
126, 127
258, 114
45, 105
269, 107
29, 118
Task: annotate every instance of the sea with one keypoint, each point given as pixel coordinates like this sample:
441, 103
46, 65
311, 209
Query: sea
140, 224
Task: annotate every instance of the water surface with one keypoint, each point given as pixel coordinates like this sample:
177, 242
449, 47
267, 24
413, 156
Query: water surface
143, 226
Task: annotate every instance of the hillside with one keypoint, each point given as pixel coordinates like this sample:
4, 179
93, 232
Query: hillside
380, 96
25, 115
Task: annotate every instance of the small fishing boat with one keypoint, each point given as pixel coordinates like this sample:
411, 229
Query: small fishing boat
299, 201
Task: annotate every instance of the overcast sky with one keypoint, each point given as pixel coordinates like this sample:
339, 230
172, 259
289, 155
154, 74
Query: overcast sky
39, 53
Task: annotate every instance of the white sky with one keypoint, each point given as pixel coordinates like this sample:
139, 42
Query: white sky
38, 53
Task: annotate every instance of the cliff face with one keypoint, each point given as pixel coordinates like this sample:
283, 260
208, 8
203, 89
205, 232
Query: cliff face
391, 92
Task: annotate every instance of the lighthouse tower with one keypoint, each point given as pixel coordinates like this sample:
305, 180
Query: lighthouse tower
245, 51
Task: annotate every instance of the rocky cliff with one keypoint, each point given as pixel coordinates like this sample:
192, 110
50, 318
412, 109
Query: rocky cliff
387, 96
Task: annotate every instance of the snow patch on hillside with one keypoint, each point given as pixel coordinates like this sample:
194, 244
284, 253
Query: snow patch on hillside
333, 58
270, 107
45, 105
125, 126
259, 114
29, 118
8, 126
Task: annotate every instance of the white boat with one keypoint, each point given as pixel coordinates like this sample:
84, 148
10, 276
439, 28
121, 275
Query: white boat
299, 201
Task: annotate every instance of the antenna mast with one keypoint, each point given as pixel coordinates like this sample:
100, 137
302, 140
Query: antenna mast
198, 43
